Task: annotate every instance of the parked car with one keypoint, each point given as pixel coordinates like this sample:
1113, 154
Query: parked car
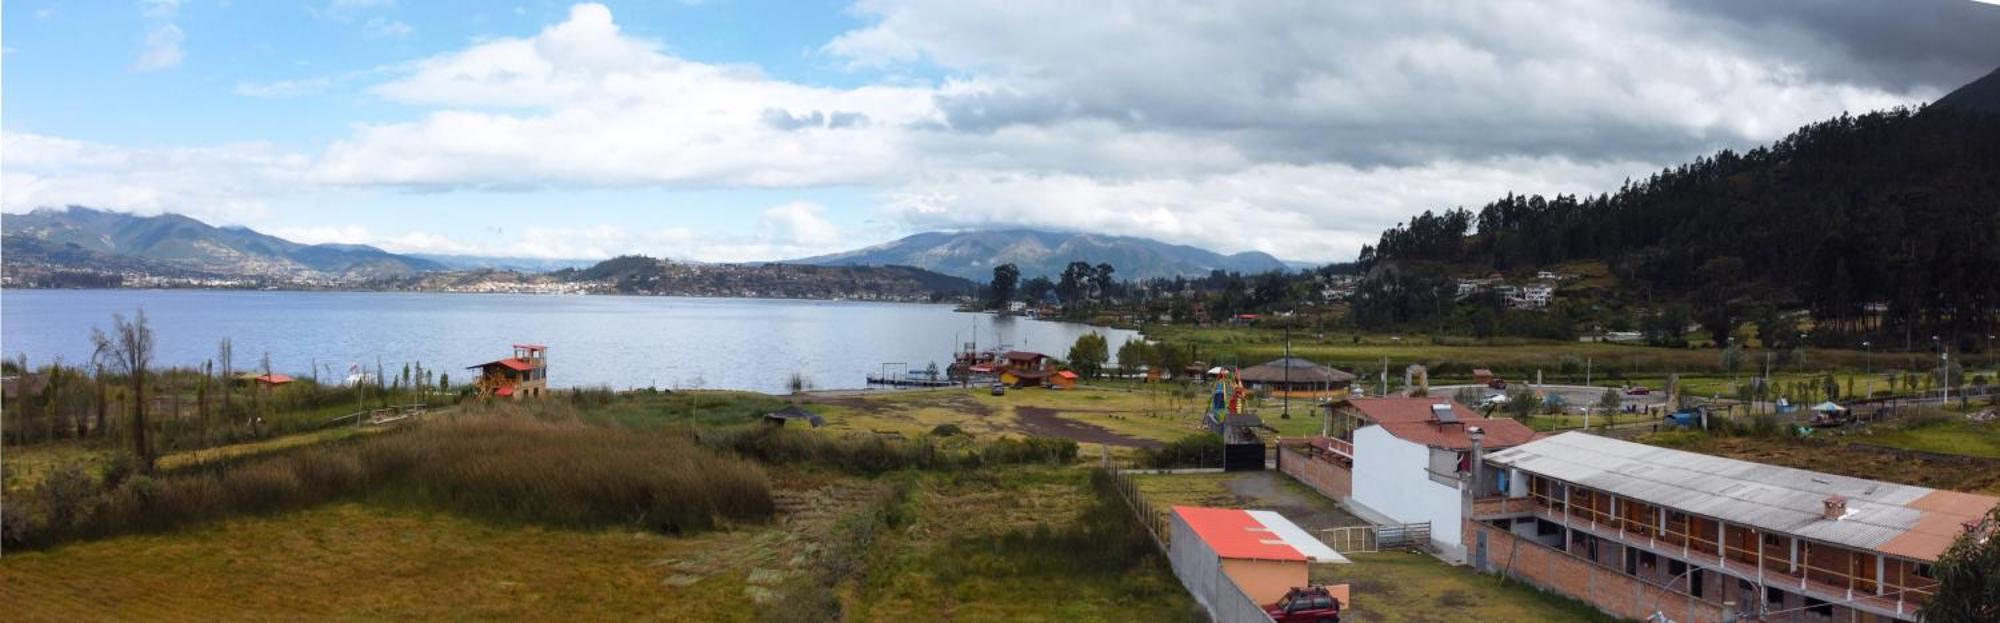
1312, 604
1637, 390
1497, 384
999, 389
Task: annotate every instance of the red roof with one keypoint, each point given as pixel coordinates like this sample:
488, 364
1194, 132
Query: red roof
273, 379
519, 365
504, 391
1022, 355
1384, 410
1234, 533
1066, 374
1500, 433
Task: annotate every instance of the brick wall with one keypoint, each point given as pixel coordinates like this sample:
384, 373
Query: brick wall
1614, 593
1326, 477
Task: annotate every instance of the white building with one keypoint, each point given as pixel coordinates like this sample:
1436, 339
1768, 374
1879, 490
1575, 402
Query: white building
1410, 456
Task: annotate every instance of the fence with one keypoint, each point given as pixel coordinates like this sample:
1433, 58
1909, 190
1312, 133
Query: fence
1365, 539
1197, 566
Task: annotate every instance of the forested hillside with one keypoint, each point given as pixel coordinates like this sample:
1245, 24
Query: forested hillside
1884, 224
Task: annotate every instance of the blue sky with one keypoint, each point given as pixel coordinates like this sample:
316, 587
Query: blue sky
736, 130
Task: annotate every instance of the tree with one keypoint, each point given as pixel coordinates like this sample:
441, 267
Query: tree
129, 351
1088, 355
225, 354
1610, 401
1074, 288
1133, 354
1005, 278
1732, 359
1968, 576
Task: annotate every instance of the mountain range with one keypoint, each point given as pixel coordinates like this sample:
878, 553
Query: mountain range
973, 254
98, 236
80, 238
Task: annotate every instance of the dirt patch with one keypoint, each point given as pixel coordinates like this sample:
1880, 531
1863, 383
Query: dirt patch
1044, 422
864, 405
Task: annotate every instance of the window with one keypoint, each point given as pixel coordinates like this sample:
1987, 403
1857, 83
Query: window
1631, 561
1819, 608
1649, 560
1773, 596
1675, 568
1695, 583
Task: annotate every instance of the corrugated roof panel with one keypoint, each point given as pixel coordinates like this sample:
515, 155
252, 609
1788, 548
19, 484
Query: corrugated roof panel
1768, 497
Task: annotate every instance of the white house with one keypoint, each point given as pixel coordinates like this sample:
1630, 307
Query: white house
1410, 455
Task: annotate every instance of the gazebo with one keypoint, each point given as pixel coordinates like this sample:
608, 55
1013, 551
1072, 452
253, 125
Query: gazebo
1292, 374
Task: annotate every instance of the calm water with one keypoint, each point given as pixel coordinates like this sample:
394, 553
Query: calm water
621, 341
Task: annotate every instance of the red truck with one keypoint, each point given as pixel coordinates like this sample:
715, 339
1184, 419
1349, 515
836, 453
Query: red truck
1312, 604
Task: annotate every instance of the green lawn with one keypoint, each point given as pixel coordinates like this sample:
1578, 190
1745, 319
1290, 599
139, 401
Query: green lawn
1950, 437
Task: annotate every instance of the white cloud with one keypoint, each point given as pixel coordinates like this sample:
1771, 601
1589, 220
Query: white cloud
283, 89
162, 49
1300, 128
384, 27
159, 9
227, 184
785, 231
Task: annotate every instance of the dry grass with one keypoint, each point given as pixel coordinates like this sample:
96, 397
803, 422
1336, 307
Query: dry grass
352, 561
1831, 456
563, 472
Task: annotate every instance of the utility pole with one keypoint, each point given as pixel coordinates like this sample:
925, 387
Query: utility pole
1287, 414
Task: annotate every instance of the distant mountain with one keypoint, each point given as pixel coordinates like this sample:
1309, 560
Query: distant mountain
188, 244
973, 255
493, 262
634, 274
1982, 95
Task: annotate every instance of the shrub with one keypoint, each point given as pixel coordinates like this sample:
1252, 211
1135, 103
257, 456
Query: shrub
1198, 450
564, 473
947, 430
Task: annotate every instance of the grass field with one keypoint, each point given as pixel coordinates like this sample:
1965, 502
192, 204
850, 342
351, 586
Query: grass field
352, 561
1950, 437
1829, 454
1006, 547
1396, 587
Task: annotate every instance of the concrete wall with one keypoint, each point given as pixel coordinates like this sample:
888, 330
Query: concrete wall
1265, 581
1201, 571
1391, 477
1327, 477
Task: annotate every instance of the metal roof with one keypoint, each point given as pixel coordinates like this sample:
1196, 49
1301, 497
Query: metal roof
1897, 519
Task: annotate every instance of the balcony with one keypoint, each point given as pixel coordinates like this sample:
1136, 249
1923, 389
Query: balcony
1486, 509
1860, 593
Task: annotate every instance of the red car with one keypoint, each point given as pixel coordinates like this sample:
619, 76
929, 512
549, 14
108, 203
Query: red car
1312, 604
1638, 390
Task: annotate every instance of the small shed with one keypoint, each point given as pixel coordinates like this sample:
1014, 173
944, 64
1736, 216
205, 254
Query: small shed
1263, 554
1482, 376
794, 413
1063, 380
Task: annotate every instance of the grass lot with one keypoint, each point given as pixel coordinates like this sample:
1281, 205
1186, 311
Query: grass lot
1140, 415
1396, 587
1513, 357
352, 561
1829, 454
1008, 546
1950, 437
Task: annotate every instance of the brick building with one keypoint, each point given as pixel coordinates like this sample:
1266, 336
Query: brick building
1637, 530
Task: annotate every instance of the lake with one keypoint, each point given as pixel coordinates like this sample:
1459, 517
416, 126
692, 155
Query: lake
620, 341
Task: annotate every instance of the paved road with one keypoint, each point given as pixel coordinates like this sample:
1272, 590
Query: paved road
1574, 395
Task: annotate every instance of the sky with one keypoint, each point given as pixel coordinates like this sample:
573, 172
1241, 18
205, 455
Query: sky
737, 130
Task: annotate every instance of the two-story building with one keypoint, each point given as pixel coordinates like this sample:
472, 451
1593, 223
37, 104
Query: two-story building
524, 374
1639, 530
1402, 460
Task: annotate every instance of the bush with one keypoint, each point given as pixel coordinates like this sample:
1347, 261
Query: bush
563, 473
1198, 450
947, 430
